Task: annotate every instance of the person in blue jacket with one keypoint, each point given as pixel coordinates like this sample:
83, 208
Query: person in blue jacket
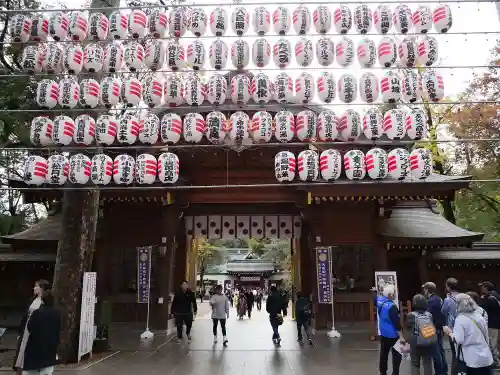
389, 325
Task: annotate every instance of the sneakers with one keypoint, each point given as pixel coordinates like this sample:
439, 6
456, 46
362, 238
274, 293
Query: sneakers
178, 340
224, 341
299, 340
215, 339
189, 337
311, 342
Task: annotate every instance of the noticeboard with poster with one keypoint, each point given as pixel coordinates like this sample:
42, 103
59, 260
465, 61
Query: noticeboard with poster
383, 278
87, 329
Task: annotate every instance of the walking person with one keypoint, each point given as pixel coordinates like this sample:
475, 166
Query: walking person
449, 310
250, 301
220, 312
274, 307
303, 315
44, 328
491, 304
258, 299
242, 305
184, 310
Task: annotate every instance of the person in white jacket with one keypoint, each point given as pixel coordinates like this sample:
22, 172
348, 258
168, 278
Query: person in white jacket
220, 312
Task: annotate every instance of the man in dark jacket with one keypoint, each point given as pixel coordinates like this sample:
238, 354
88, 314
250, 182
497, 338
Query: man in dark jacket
274, 307
250, 301
303, 315
184, 310
491, 304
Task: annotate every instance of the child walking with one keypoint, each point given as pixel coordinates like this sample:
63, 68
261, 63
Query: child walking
220, 311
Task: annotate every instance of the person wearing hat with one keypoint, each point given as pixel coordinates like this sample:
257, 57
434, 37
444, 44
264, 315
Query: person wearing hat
491, 304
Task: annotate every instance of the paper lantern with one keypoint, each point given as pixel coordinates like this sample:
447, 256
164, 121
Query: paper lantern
138, 23
348, 88
306, 125
281, 20
354, 165
98, 26
330, 165
175, 55
146, 167
382, 18
170, 128
79, 169
240, 19
240, 89
239, 126
216, 127
261, 52
73, 58
177, 22
398, 162
35, 170
261, 88
123, 170
420, 163
283, 88
149, 126
304, 53
326, 87
41, 131
93, 58
442, 18
363, 19
134, 56
284, 166
113, 57
325, 51
153, 90
344, 52
90, 93
155, 54
301, 20
218, 21
168, 168
285, 126
387, 51
63, 130
85, 128
261, 20
322, 19
194, 93
308, 165
197, 21
394, 124
20, 28
47, 93
402, 18
433, 85
373, 124
128, 129
349, 126
195, 54
69, 93
422, 19
52, 58
367, 53
158, 23
78, 26
58, 25
240, 54
262, 127
376, 164
101, 170
39, 27
304, 88
412, 86
217, 89
416, 123
174, 90
32, 59
218, 54
194, 127
327, 126
427, 50
110, 91
390, 87
369, 87
407, 51
131, 93
342, 19
106, 128
282, 53
118, 24
57, 170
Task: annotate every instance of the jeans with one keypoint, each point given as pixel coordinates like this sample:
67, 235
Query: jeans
274, 325
439, 357
222, 326
386, 346
259, 305
424, 355
306, 326
493, 336
43, 371
180, 320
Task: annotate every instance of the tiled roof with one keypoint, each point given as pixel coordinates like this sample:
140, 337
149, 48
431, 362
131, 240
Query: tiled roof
48, 229
26, 257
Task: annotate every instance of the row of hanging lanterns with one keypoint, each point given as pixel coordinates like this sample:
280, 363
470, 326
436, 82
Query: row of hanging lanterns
156, 23
101, 169
397, 164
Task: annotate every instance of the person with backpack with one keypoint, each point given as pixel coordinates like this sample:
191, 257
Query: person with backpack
449, 311
303, 315
491, 304
274, 307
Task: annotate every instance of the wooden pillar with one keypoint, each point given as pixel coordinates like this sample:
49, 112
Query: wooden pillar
380, 259
422, 267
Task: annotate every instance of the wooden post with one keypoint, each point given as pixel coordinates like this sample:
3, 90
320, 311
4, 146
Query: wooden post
373, 320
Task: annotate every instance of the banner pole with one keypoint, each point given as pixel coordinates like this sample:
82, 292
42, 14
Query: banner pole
147, 334
333, 333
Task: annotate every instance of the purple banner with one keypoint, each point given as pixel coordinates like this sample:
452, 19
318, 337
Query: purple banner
143, 270
323, 269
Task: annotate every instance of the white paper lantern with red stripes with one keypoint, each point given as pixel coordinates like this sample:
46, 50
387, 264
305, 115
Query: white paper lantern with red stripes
261, 88
149, 127
262, 127
354, 165
52, 61
93, 58
322, 19
330, 164
217, 54
421, 163
47, 93
348, 88
281, 20
282, 53
240, 20
194, 127
153, 87
363, 19
58, 169
412, 86
327, 126
32, 59
402, 18
301, 20
69, 93
387, 51
344, 52
146, 167
114, 57
110, 91
442, 18
261, 20
427, 48
240, 89
123, 169
195, 54
106, 128
118, 24
155, 54
240, 54
134, 56
41, 131
376, 164
98, 26
327, 87
390, 87
367, 53
342, 19
177, 22
194, 92
398, 163
284, 126
39, 27
308, 165
304, 53
422, 19
217, 89
20, 28
158, 23
85, 129
283, 88
78, 26
174, 90
218, 21
73, 58
306, 125
394, 124
304, 88
171, 128
216, 127
63, 130
35, 170
239, 129
350, 125
407, 51
101, 170
128, 129
175, 55
373, 124
382, 18
138, 23
369, 87
198, 21
325, 51
416, 123
284, 166
261, 52
168, 168
58, 25
131, 93
433, 85
90, 92
79, 169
